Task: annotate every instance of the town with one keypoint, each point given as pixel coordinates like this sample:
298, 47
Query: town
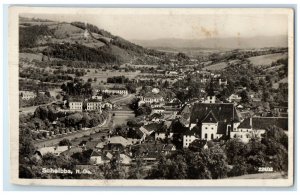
158, 116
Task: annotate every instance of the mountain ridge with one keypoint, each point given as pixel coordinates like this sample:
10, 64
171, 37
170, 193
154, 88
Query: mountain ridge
215, 43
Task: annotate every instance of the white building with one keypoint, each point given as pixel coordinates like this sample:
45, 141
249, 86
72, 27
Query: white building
120, 91
27, 95
75, 105
209, 121
94, 106
255, 127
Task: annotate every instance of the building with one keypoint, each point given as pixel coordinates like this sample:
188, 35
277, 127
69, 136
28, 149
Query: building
150, 98
94, 105
256, 126
99, 158
27, 95
75, 105
222, 81
158, 110
210, 121
234, 98
115, 90
210, 99
56, 150
97, 97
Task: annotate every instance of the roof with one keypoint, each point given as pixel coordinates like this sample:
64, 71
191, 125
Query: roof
153, 127
210, 118
117, 88
118, 140
265, 123
53, 149
178, 127
91, 144
222, 128
72, 151
221, 112
152, 95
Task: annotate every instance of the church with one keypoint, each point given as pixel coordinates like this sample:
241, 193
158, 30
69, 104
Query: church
210, 121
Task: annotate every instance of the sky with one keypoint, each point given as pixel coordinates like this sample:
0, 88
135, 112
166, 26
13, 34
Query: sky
136, 25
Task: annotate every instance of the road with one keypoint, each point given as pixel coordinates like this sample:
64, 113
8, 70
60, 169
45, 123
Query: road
126, 98
70, 136
31, 109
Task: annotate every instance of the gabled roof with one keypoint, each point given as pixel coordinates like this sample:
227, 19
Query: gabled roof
210, 118
91, 144
118, 140
221, 111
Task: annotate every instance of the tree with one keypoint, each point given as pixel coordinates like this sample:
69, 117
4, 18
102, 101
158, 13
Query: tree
58, 96
65, 142
245, 97
197, 145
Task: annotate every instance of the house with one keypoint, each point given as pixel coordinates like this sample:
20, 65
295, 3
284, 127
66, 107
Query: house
119, 140
71, 151
75, 105
234, 98
98, 158
210, 99
107, 105
212, 121
256, 126
136, 136
56, 150
222, 81
124, 159
158, 110
116, 90
94, 105
97, 97
164, 132
150, 128
150, 98
27, 95
168, 148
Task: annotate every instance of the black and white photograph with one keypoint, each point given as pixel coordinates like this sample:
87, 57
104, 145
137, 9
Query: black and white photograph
152, 96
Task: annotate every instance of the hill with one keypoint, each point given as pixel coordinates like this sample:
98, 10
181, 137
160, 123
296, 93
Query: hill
79, 41
217, 43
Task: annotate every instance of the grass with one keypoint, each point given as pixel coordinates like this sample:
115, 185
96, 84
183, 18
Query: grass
217, 66
265, 60
103, 75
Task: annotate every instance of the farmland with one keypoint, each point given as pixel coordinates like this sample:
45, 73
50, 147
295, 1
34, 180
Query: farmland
265, 60
217, 66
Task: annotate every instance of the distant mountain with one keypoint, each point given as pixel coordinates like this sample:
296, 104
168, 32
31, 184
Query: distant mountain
78, 41
217, 43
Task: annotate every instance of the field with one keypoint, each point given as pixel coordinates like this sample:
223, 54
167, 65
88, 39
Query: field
103, 75
217, 66
121, 119
265, 60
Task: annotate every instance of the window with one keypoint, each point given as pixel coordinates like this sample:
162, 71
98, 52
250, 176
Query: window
205, 135
212, 128
212, 136
205, 127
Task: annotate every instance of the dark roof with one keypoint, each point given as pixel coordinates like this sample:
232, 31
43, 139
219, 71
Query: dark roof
222, 112
210, 118
153, 126
177, 127
222, 128
91, 144
265, 122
